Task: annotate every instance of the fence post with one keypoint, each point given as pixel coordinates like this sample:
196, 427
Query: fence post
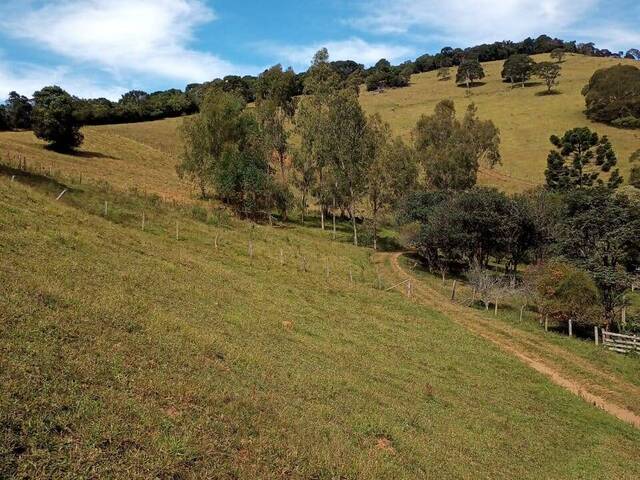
546, 323
595, 333
521, 312
143, 221
350, 276
570, 328
495, 308
106, 208
409, 289
453, 291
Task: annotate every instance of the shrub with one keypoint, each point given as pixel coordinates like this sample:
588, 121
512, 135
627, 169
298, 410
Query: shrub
565, 292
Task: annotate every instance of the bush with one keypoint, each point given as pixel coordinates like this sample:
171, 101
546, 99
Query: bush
565, 292
613, 95
199, 213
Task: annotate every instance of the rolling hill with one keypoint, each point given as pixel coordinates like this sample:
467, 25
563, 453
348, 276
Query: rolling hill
526, 120
143, 155
146, 336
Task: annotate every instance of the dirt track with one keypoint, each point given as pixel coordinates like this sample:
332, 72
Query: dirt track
605, 390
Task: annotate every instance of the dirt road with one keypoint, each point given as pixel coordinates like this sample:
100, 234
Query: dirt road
605, 390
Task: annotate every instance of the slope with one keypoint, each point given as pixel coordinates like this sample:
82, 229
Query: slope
153, 354
526, 120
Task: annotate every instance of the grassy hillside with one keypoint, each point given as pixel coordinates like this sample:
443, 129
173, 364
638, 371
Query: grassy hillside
526, 120
130, 156
131, 353
143, 155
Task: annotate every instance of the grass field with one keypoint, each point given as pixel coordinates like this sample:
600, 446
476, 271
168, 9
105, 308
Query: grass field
525, 120
139, 156
130, 353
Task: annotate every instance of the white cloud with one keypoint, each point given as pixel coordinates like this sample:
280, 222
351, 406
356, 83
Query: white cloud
26, 78
351, 49
466, 22
124, 37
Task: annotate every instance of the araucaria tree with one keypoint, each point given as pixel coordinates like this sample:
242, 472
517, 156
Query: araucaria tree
548, 72
579, 158
53, 121
468, 72
452, 151
518, 68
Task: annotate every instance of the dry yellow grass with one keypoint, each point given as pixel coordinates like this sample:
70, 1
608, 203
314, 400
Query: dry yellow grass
525, 119
138, 155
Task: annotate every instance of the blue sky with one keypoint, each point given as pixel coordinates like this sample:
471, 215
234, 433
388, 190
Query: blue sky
106, 47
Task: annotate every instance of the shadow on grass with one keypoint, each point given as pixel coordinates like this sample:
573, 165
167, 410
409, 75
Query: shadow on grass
33, 179
547, 93
471, 85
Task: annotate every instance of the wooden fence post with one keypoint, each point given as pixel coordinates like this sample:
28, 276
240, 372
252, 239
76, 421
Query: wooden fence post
570, 328
334, 225
215, 241
453, 291
106, 208
546, 323
521, 311
409, 289
595, 333
495, 308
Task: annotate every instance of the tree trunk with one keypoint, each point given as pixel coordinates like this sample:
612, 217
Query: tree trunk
375, 230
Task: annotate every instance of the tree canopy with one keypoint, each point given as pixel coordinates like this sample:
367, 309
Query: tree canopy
53, 119
518, 68
452, 151
613, 96
468, 72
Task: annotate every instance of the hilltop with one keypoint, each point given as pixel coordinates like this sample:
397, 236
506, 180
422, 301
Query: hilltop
526, 121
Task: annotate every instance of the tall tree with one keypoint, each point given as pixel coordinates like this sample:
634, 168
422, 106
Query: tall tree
53, 119
208, 136
468, 72
18, 111
351, 148
518, 68
275, 90
579, 158
452, 151
549, 73
391, 175
600, 234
